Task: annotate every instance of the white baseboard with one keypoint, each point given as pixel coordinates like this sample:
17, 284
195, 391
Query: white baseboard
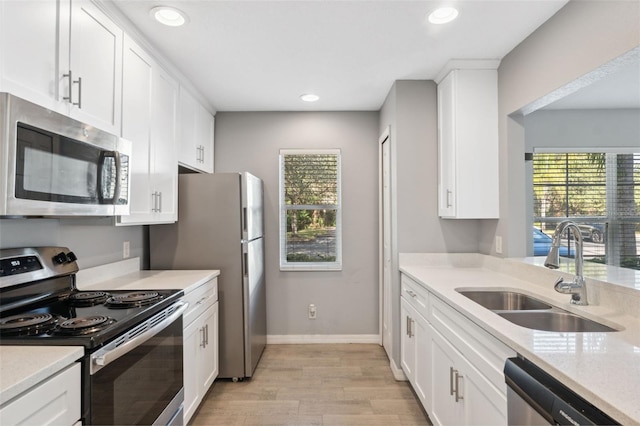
293, 339
397, 372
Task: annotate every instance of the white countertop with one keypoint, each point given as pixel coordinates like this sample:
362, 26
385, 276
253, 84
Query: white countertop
22, 367
125, 275
604, 368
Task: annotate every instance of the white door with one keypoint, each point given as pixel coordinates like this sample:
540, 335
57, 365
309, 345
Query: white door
386, 245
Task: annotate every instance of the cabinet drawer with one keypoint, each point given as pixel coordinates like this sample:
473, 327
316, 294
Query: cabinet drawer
54, 401
484, 352
199, 300
416, 295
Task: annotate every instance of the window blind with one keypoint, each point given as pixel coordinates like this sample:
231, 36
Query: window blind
310, 210
601, 192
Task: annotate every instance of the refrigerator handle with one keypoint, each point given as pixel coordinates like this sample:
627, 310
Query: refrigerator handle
246, 264
244, 218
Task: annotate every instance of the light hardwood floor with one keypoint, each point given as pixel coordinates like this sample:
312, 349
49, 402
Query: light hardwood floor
341, 384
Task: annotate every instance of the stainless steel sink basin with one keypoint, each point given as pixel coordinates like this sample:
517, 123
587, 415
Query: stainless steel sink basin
504, 300
527, 311
555, 320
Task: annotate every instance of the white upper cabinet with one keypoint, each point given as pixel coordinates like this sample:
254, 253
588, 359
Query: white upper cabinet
95, 64
468, 144
29, 50
196, 134
149, 108
63, 55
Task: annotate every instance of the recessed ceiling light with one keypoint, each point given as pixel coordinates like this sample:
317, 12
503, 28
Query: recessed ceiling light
443, 15
309, 97
169, 16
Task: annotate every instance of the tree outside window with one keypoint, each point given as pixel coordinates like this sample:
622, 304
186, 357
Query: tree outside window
310, 205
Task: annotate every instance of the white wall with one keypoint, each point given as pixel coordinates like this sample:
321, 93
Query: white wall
581, 37
346, 301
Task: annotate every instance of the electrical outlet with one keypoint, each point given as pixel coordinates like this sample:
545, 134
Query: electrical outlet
498, 244
312, 311
126, 249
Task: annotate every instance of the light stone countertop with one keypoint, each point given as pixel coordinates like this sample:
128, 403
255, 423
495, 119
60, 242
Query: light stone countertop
125, 275
22, 367
604, 368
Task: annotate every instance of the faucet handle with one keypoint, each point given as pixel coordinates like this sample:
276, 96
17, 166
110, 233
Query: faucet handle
559, 281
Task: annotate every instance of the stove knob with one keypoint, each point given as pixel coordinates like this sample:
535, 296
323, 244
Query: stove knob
59, 258
71, 257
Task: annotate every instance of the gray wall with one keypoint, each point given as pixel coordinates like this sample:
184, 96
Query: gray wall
346, 301
95, 241
410, 110
581, 37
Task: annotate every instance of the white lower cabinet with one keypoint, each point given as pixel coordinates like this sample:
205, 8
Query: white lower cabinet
55, 401
415, 351
461, 394
453, 365
200, 345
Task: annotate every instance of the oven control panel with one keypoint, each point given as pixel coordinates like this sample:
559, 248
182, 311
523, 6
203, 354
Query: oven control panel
19, 265
30, 264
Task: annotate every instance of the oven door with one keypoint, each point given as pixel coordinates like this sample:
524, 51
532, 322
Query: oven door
137, 378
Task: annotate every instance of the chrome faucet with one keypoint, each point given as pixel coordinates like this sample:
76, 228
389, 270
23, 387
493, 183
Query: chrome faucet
577, 288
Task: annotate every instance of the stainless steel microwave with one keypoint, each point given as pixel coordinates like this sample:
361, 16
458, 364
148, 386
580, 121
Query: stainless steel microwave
53, 165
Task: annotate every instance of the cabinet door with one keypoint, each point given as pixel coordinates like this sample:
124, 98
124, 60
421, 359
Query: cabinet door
188, 152
407, 340
196, 134
445, 409
96, 65
210, 351
29, 50
447, 147
483, 403
55, 401
163, 149
204, 134
422, 370
137, 71
193, 341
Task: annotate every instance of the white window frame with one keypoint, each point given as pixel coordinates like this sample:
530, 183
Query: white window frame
309, 266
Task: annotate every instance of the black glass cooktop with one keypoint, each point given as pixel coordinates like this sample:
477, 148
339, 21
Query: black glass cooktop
82, 318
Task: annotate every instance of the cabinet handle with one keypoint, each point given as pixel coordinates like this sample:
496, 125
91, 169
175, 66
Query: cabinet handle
449, 198
411, 293
206, 335
458, 377
159, 202
202, 341
79, 103
451, 371
69, 96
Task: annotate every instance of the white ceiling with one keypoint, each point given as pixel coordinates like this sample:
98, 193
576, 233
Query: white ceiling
261, 55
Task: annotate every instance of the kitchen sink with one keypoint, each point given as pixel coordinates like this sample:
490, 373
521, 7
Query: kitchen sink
527, 311
504, 300
555, 320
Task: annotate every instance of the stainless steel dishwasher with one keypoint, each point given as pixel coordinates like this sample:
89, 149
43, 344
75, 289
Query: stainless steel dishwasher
536, 398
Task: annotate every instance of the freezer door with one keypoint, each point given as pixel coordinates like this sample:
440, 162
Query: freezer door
255, 309
252, 207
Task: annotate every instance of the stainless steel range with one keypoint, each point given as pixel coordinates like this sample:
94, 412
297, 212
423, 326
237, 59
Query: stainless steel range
133, 340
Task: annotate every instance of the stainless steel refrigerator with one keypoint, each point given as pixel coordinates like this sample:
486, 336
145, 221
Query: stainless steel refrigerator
220, 226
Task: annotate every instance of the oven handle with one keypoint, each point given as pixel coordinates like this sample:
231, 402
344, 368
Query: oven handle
113, 351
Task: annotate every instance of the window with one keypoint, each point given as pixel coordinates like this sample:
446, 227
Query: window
310, 210
600, 192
